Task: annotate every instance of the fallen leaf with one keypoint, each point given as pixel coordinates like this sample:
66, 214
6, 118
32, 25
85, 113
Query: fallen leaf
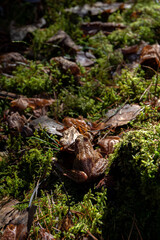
63, 39
98, 8
150, 56
69, 137
9, 61
19, 33
48, 124
15, 121
130, 49
119, 117
78, 123
66, 65
107, 144
85, 59
34, 103
91, 28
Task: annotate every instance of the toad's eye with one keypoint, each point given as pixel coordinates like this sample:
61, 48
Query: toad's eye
85, 139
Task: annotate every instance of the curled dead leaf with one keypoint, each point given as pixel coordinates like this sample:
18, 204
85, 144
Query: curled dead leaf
69, 137
150, 56
10, 232
34, 103
78, 123
107, 144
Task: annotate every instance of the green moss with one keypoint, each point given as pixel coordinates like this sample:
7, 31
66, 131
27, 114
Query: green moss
84, 217
135, 167
26, 163
28, 80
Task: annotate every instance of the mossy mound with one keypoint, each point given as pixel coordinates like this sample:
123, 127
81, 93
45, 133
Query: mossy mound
134, 209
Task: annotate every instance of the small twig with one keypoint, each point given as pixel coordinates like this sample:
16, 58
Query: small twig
138, 231
131, 230
91, 235
146, 90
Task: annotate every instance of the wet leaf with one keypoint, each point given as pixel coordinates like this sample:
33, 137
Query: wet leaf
34, 103
48, 124
121, 116
67, 65
91, 28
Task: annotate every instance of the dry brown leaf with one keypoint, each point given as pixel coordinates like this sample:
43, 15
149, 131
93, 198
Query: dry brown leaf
119, 117
150, 56
67, 65
130, 49
107, 144
34, 103
78, 123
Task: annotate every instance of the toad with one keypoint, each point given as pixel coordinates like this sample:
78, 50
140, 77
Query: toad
88, 163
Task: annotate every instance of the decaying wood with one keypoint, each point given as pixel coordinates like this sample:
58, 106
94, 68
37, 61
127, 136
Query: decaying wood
13, 223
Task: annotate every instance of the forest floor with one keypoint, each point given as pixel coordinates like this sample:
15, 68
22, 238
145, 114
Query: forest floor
79, 120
